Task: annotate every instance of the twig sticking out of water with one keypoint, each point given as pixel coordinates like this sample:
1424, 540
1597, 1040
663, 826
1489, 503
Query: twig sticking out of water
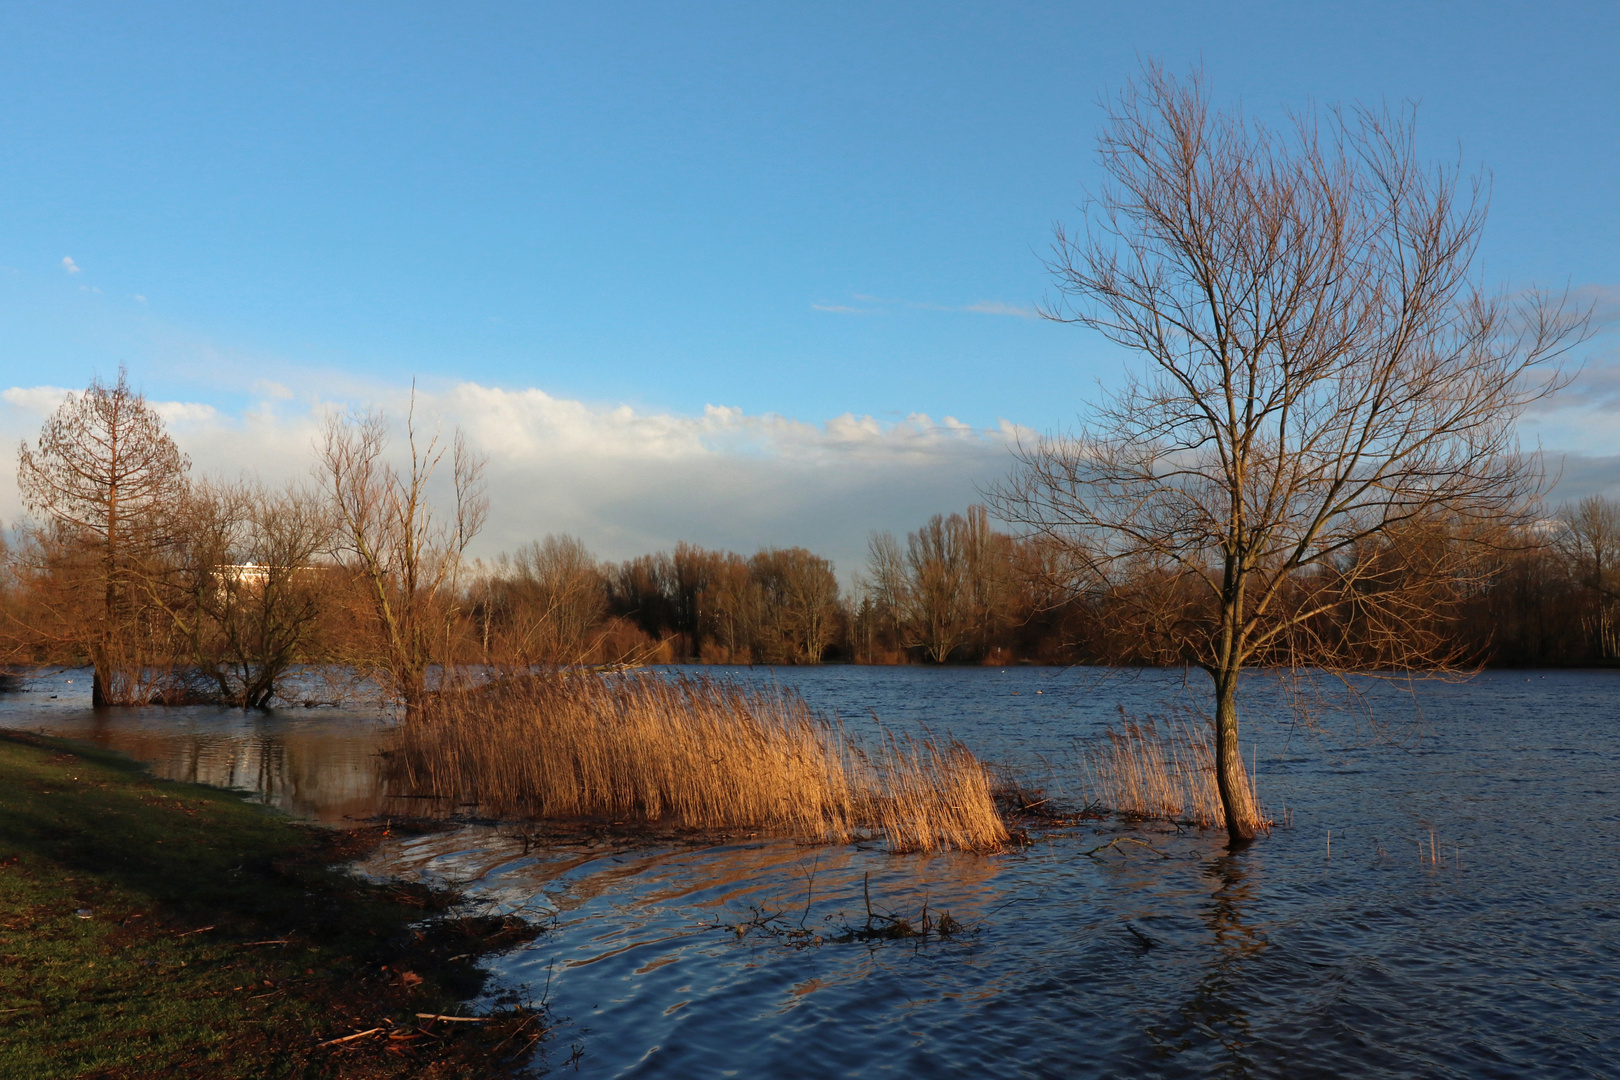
1125, 840
879, 926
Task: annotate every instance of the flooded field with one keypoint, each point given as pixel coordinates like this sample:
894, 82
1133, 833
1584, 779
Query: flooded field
1463, 923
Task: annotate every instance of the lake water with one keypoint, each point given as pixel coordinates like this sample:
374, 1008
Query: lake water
1502, 958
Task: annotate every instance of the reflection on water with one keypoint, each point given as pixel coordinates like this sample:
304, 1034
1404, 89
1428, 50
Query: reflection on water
671, 961
319, 764
1215, 1013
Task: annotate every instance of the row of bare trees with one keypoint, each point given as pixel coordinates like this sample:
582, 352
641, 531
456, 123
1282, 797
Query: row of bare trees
958, 590
174, 588
553, 603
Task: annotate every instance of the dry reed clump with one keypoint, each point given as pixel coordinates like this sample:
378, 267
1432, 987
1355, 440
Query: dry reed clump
920, 790
704, 754
1147, 772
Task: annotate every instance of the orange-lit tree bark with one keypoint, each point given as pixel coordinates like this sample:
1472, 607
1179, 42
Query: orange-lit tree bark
1319, 368
106, 480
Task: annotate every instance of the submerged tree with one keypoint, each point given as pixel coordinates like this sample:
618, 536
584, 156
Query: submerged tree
108, 482
244, 591
1323, 382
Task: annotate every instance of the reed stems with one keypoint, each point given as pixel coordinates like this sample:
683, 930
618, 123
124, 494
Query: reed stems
693, 751
1146, 771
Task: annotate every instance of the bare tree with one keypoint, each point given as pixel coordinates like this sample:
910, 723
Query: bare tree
550, 598
1321, 372
406, 557
107, 479
732, 607
245, 594
929, 588
799, 604
1589, 540
952, 586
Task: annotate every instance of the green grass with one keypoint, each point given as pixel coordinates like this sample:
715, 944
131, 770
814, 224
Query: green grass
132, 917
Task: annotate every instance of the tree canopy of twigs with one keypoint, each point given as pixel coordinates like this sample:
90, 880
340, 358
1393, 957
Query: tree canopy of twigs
105, 478
1320, 435
390, 536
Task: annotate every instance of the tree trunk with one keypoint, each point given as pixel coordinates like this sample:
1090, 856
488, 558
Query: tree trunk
1237, 800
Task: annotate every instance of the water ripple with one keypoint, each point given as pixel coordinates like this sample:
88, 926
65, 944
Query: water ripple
1498, 958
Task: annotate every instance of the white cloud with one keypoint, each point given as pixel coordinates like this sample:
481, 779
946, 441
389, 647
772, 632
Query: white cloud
185, 413
1603, 301
629, 481
38, 401
624, 480
270, 389
69, 265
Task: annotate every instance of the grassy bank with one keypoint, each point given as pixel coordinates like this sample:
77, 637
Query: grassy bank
150, 928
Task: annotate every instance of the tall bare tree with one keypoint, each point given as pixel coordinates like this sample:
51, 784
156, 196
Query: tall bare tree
391, 537
107, 479
549, 598
1320, 370
732, 606
953, 586
1589, 540
798, 605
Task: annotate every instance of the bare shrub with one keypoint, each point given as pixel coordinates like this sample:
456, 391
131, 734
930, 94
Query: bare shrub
390, 538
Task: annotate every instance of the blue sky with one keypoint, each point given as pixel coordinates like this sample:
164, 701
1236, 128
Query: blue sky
781, 214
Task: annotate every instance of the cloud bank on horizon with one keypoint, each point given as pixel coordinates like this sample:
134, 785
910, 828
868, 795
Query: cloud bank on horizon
625, 481
629, 481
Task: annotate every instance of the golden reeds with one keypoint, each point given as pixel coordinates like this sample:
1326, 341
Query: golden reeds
640, 747
920, 791
1149, 772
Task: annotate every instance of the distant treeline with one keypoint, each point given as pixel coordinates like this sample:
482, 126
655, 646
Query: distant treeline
178, 589
959, 591
955, 591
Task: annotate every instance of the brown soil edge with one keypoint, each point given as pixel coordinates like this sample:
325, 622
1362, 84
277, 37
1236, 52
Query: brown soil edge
342, 969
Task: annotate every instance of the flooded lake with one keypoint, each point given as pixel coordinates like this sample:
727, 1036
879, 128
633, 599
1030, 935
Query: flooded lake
1466, 922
